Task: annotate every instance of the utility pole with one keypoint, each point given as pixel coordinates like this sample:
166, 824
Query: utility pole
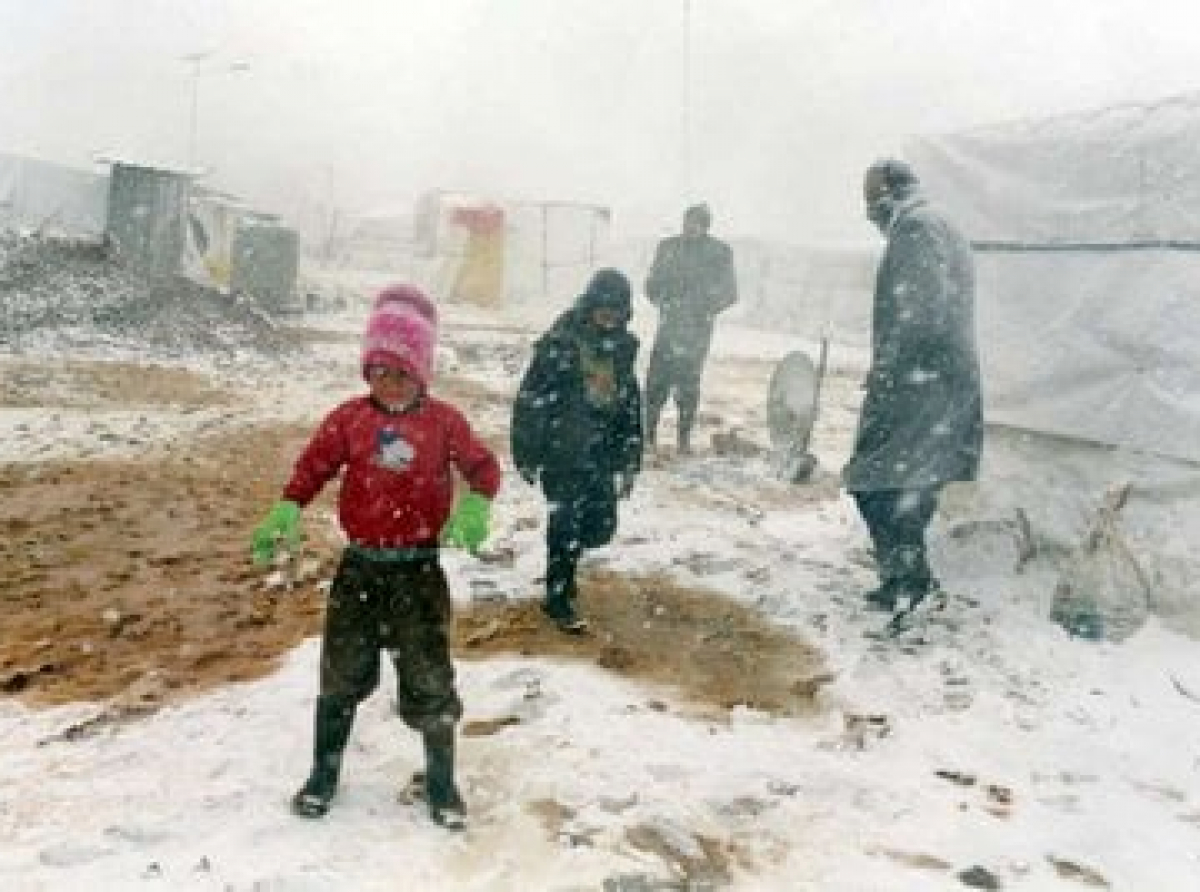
687, 101
197, 60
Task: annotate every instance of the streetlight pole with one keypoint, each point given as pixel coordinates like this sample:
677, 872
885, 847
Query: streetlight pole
195, 59
687, 101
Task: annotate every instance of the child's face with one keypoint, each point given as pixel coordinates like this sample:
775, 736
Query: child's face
607, 318
392, 386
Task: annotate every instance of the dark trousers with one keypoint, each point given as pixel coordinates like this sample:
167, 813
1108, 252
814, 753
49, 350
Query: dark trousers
897, 520
678, 371
403, 607
582, 515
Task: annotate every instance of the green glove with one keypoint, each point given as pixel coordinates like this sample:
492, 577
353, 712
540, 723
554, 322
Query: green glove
281, 522
468, 525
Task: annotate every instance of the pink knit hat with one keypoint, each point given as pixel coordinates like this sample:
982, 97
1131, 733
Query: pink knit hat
401, 332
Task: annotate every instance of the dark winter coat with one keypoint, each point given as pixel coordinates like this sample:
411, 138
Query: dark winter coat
556, 431
691, 281
922, 422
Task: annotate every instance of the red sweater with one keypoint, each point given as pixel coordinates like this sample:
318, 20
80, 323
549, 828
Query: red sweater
397, 487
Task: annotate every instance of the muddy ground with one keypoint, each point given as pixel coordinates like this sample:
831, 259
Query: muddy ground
129, 581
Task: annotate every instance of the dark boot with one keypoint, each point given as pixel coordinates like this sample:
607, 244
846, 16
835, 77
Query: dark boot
334, 719
687, 420
445, 804
883, 597
901, 594
561, 592
561, 611
650, 429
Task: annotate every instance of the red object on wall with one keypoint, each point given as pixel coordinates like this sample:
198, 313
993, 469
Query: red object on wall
481, 220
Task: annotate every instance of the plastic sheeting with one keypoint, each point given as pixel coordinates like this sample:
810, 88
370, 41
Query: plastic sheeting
1059, 487
40, 195
1129, 173
1098, 346
1087, 234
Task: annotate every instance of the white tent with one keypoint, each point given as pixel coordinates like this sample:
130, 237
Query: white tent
41, 195
541, 253
1087, 236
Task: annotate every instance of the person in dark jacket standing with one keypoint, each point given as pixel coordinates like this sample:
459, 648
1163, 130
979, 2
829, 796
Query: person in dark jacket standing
577, 428
921, 423
691, 281
397, 450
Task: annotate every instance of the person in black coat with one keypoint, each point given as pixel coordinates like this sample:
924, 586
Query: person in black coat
691, 282
577, 429
921, 423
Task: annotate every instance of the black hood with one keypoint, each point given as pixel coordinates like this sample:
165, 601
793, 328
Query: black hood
608, 288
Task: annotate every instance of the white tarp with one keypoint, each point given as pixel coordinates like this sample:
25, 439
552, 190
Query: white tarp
1116, 175
1087, 242
40, 195
549, 248
1087, 233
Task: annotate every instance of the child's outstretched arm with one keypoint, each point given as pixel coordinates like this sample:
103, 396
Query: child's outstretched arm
318, 464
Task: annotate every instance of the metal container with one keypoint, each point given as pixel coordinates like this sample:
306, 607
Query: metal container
147, 209
265, 259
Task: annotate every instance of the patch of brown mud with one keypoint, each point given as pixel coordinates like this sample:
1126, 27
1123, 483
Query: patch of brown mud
696, 859
133, 575
713, 652
115, 572
112, 572
95, 384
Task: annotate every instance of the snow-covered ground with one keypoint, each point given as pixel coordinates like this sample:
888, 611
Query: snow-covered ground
985, 749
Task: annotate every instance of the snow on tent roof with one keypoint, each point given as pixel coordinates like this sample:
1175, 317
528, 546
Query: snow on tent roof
1087, 236
1127, 173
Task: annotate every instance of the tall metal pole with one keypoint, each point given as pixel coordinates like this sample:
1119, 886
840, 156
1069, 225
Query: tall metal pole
194, 113
687, 101
191, 154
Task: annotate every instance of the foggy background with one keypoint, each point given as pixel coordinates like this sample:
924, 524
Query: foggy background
767, 109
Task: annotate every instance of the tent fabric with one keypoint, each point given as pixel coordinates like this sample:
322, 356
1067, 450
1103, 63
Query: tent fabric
1087, 236
42, 195
1111, 176
1098, 346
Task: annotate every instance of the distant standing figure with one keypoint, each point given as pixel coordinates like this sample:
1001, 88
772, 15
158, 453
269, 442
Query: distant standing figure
397, 450
921, 424
577, 429
691, 281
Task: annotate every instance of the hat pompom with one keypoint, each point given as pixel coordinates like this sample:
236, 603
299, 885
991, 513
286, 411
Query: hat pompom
402, 331
408, 296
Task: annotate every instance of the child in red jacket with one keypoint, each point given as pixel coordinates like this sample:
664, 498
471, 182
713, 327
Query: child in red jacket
396, 449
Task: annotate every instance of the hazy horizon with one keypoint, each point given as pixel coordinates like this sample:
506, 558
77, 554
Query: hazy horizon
366, 105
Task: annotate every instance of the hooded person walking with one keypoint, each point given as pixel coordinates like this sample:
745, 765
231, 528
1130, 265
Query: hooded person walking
397, 450
921, 422
577, 429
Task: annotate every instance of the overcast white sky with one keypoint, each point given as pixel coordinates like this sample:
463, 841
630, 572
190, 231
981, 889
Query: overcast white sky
374, 101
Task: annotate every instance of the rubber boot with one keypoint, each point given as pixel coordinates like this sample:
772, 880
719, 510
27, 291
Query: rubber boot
561, 592
650, 428
687, 419
445, 804
910, 579
332, 724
